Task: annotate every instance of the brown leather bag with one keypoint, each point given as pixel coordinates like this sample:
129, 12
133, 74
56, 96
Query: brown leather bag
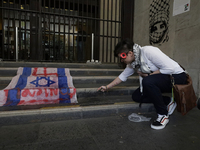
184, 96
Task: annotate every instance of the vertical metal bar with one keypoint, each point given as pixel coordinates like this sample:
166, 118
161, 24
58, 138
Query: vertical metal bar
8, 29
103, 31
87, 22
28, 31
14, 27
39, 33
38, 30
87, 9
64, 32
78, 29
82, 19
107, 30
80, 26
79, 9
69, 57
49, 42
47, 29
92, 53
111, 31
95, 30
16, 38
20, 31
25, 32
54, 34
92, 30
120, 11
59, 40
98, 23
82, 11
44, 29
43, 19
116, 2
73, 10
132, 16
3, 35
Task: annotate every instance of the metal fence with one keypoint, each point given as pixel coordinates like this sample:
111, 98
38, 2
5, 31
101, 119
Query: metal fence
60, 30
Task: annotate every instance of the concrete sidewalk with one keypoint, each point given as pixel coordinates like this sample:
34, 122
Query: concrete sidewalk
114, 132
98, 123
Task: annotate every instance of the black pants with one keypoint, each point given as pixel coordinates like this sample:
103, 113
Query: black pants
154, 86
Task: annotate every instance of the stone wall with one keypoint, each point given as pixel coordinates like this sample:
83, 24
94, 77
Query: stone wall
182, 40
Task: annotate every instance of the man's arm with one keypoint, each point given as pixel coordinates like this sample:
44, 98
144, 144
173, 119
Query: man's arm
146, 74
128, 71
112, 84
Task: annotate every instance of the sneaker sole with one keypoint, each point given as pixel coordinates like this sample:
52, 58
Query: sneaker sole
173, 108
159, 127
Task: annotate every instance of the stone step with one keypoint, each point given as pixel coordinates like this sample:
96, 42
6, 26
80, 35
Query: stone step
87, 86
102, 80
92, 91
73, 71
116, 91
85, 81
18, 115
100, 100
8, 64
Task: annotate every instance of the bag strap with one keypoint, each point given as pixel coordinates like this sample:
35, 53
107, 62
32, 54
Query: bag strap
173, 84
172, 78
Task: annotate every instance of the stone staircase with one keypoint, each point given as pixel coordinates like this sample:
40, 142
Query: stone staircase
86, 79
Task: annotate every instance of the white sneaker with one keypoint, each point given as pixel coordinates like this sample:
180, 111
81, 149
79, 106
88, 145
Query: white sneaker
160, 122
171, 107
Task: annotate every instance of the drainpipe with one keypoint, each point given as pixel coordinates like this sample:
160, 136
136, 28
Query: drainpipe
16, 46
92, 58
92, 53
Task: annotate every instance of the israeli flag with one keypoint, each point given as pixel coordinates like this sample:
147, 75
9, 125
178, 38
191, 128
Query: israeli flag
32, 86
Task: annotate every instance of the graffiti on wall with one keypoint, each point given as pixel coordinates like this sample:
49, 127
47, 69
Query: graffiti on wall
159, 22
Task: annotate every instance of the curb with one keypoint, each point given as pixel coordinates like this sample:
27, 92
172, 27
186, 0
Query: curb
70, 112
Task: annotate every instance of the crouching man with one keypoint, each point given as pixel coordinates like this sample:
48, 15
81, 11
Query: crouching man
154, 69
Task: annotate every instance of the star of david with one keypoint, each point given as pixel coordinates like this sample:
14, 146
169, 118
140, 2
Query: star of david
49, 82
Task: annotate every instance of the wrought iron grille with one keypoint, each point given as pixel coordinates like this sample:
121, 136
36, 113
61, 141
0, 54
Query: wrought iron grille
60, 30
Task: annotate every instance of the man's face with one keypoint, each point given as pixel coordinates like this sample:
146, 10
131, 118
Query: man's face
127, 58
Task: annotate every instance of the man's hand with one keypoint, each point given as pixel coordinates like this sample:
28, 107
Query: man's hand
156, 72
102, 88
142, 74
146, 74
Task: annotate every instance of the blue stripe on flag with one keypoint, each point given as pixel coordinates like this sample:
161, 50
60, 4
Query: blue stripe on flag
14, 94
63, 86
26, 71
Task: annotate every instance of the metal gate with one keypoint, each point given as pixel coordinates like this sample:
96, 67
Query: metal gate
61, 30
